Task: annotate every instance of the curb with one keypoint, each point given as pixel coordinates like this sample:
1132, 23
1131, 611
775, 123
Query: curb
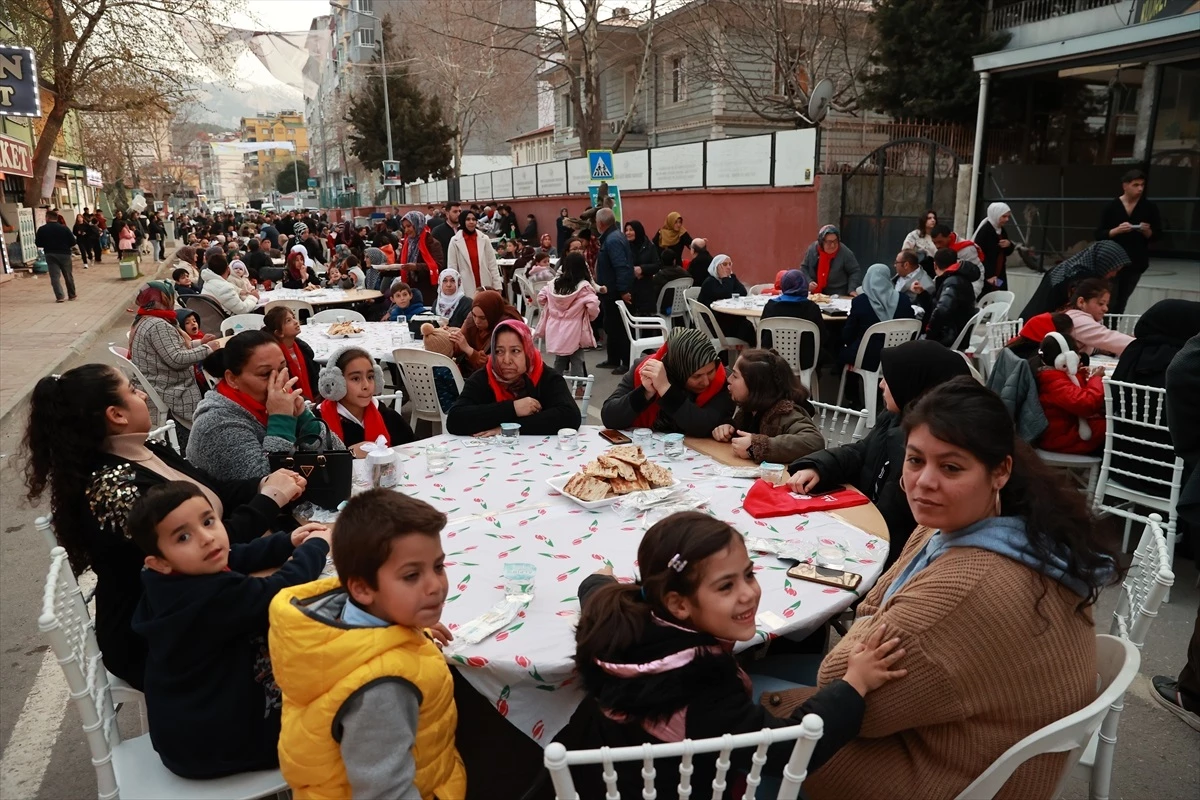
82, 343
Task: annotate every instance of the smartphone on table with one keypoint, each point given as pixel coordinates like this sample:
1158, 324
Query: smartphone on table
613, 436
825, 576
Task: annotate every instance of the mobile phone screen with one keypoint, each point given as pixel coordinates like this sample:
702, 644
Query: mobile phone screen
826, 576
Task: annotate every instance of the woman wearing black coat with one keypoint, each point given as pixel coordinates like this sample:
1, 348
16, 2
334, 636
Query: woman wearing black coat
722, 284
994, 246
646, 264
873, 465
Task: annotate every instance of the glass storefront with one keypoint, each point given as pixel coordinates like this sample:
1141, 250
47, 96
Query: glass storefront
1175, 156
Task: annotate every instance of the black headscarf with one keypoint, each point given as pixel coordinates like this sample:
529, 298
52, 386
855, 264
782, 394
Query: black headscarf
688, 351
639, 235
913, 368
1158, 336
1096, 261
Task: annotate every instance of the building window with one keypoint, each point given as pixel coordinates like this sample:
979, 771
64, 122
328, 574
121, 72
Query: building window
366, 37
676, 78
365, 6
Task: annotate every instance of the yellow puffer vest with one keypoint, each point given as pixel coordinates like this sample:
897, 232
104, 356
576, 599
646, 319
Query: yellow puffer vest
319, 666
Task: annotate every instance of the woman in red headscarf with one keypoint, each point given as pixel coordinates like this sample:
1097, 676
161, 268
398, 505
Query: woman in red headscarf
473, 340
516, 386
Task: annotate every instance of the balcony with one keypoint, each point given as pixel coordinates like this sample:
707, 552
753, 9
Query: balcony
1005, 16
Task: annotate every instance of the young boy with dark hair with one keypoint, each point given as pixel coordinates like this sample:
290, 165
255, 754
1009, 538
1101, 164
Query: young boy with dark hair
375, 716
183, 282
211, 701
405, 303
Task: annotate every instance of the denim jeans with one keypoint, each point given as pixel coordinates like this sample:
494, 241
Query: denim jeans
60, 269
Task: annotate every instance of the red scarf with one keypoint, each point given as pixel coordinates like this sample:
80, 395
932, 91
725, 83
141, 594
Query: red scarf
298, 368
533, 361
259, 410
389, 253
958, 245
373, 424
161, 313
824, 261
472, 242
430, 261
650, 413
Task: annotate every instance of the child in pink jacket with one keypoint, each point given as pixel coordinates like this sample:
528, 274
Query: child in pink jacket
1089, 304
569, 305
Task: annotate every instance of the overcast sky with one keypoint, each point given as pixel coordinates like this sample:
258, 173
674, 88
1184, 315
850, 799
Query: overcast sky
283, 15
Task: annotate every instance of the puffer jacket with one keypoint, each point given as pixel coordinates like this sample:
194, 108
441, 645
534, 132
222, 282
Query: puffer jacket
953, 303
1065, 403
566, 323
1013, 380
226, 293
781, 434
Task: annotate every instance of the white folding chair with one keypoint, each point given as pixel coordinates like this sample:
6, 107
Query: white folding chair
1144, 410
134, 374
1117, 662
639, 344
839, 425
124, 769
559, 760
997, 297
996, 338
894, 332
787, 336
416, 370
231, 326
759, 288
336, 315
165, 433
673, 295
1147, 583
1124, 323
706, 321
1087, 467
301, 308
574, 381
392, 399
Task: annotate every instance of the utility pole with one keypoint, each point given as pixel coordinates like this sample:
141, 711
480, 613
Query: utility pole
387, 112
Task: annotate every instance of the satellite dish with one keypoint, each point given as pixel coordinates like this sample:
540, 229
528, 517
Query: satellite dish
819, 100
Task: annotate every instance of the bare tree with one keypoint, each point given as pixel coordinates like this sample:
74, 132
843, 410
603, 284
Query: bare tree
108, 56
771, 53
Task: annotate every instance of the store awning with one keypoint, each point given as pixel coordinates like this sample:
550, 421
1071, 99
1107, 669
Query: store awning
1159, 40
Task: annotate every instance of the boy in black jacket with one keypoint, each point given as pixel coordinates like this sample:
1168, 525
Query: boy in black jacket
211, 699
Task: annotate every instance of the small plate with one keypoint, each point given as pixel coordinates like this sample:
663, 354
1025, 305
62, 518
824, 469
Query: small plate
345, 335
559, 481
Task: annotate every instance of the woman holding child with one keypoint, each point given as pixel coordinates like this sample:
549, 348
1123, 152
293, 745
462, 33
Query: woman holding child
86, 444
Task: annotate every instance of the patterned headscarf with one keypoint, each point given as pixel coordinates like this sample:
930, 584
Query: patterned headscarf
1096, 261
688, 350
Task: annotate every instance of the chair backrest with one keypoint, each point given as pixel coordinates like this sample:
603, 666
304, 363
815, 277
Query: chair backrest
636, 327
166, 433
65, 622
134, 374
1147, 583
210, 311
673, 296
1125, 323
393, 399
706, 321
588, 384
1117, 662
759, 288
964, 336
894, 332
416, 370
1000, 332
302, 309
1145, 441
333, 315
559, 761
997, 297
689, 294
234, 325
787, 336
839, 425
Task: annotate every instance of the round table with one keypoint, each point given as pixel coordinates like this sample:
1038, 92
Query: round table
379, 339
501, 510
321, 297
753, 306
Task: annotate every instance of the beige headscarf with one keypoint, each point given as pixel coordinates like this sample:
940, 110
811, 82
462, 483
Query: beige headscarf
667, 235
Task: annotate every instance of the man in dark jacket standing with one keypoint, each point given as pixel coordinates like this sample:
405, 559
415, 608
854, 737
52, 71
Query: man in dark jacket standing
448, 226
1133, 222
56, 240
614, 271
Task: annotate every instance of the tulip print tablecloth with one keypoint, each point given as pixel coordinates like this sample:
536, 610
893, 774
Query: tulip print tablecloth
500, 510
378, 338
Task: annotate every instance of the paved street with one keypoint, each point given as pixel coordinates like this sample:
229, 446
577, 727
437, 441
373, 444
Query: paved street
45, 755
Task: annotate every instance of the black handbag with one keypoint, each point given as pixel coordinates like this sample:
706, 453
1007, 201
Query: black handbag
328, 471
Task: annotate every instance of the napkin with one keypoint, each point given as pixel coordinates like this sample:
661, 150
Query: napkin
766, 500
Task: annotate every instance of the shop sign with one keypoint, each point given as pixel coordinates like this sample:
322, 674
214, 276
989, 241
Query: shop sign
94, 178
19, 96
16, 157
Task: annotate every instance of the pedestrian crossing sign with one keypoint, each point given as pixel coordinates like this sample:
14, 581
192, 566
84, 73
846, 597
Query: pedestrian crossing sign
600, 165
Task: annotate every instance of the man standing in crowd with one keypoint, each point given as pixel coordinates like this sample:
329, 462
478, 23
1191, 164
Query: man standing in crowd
1133, 222
448, 226
614, 271
56, 240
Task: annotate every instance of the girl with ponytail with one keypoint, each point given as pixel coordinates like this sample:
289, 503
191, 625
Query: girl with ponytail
656, 656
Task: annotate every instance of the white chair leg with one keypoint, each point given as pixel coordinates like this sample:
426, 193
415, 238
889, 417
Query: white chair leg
870, 399
1125, 538
842, 386
1092, 476
1169, 535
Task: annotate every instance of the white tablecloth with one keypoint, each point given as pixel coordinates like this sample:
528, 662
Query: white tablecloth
501, 510
316, 297
758, 302
379, 339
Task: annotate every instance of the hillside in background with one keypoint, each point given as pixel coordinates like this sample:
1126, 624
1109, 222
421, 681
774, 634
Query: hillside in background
225, 105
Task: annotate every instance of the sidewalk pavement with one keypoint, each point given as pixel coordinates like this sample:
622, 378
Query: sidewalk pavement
37, 335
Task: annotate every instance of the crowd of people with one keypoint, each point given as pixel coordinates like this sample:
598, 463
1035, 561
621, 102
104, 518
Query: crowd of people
918, 694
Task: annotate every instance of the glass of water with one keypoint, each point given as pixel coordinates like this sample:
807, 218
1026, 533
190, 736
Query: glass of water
673, 445
568, 439
510, 433
437, 457
830, 557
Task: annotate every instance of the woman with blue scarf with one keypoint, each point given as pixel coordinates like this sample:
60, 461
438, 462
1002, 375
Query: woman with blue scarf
991, 599
792, 301
879, 301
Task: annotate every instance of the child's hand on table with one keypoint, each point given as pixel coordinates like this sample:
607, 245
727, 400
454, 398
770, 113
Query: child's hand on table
440, 634
311, 530
870, 663
741, 444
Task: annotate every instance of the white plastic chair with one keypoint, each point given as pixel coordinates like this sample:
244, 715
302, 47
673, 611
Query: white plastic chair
839, 425
759, 288
124, 769
559, 760
894, 332
996, 338
997, 297
690, 294
970, 339
336, 315
529, 293
587, 383
1145, 409
1124, 323
674, 296
1147, 583
165, 433
231, 326
301, 308
706, 321
134, 374
787, 336
208, 308
1117, 662
641, 344
416, 370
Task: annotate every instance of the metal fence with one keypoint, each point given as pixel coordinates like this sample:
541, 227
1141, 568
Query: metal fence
1009, 15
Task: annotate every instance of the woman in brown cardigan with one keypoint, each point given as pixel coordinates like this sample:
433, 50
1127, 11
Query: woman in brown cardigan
473, 341
991, 599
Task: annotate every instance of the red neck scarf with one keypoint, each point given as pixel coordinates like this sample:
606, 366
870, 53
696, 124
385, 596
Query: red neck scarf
161, 313
472, 243
533, 362
650, 413
824, 262
298, 367
373, 424
423, 245
958, 245
259, 410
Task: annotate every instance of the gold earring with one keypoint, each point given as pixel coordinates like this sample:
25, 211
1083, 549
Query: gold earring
998, 514
902, 483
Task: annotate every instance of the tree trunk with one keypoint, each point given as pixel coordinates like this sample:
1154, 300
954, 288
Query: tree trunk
41, 155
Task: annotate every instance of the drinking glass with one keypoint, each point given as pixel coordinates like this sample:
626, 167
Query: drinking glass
673, 445
568, 439
510, 433
771, 473
830, 557
437, 457
642, 436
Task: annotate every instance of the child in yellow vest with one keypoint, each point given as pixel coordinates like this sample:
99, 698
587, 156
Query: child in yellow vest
368, 701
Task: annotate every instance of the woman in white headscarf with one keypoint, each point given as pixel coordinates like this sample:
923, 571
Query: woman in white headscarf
452, 301
994, 246
722, 284
879, 301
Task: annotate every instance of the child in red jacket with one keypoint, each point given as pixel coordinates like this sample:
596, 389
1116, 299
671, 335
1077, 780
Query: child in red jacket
1071, 396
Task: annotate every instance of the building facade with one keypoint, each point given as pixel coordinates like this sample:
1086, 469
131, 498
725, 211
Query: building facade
533, 147
263, 166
